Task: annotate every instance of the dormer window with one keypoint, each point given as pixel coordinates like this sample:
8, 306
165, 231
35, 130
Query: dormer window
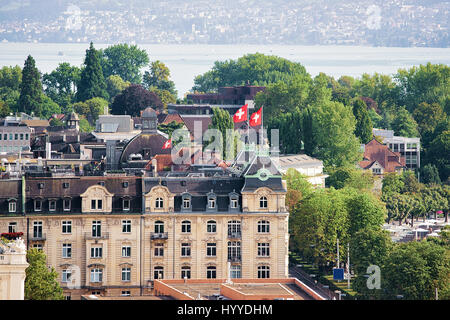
234, 201
159, 203
65, 185
37, 205
12, 206
212, 201
126, 204
186, 202
125, 184
40, 185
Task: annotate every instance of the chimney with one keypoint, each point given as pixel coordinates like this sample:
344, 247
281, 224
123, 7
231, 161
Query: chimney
155, 167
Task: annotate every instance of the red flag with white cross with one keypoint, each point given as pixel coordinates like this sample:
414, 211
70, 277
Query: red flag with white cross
168, 144
241, 114
255, 119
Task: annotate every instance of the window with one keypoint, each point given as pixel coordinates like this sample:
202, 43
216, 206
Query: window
234, 228
37, 246
52, 205
125, 293
66, 250
210, 249
263, 249
159, 203
96, 252
234, 251
40, 185
96, 204
126, 251
126, 274
26, 136
96, 293
12, 227
68, 297
185, 249
12, 206
21, 136
263, 226
10, 136
16, 136
211, 272
376, 170
159, 227
66, 204
263, 272
67, 227
233, 203
96, 275
211, 226
186, 202
37, 229
211, 203
126, 204
185, 272
158, 272
65, 185
125, 184
263, 202
5, 136
96, 228
37, 205
235, 271
66, 275
186, 226
126, 226
159, 250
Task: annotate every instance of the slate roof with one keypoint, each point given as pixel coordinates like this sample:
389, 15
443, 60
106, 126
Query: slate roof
152, 141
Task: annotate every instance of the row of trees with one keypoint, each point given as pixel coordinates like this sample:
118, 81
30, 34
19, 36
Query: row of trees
114, 72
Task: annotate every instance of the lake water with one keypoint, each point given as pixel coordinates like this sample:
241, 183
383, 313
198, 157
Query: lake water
187, 61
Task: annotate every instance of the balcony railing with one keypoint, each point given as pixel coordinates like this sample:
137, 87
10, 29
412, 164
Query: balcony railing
159, 235
234, 259
38, 237
234, 235
90, 236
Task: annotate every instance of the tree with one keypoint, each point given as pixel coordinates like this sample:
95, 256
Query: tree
115, 85
11, 78
125, 61
290, 133
47, 108
253, 69
134, 99
4, 109
392, 183
222, 121
54, 122
92, 83
404, 124
60, 84
350, 177
368, 247
170, 127
40, 282
85, 126
31, 88
428, 116
363, 128
333, 128
91, 109
298, 188
438, 151
414, 269
158, 77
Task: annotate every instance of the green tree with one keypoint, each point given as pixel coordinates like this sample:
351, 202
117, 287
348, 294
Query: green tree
368, 247
92, 83
170, 127
222, 121
363, 128
91, 108
54, 122
429, 173
4, 109
134, 99
290, 133
298, 188
428, 116
159, 77
60, 84
31, 88
254, 69
85, 126
125, 61
47, 108
414, 269
11, 78
439, 151
350, 177
333, 127
392, 183
40, 282
115, 85
404, 124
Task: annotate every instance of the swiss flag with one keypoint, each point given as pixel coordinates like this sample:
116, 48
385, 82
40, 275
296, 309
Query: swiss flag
255, 119
240, 115
168, 144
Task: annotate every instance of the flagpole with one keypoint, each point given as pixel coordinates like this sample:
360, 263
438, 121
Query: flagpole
262, 125
248, 129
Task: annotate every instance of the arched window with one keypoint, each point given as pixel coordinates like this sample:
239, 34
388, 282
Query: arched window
159, 227
211, 226
263, 226
263, 202
186, 226
159, 203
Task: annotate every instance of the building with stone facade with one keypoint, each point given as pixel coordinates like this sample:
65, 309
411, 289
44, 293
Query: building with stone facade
115, 234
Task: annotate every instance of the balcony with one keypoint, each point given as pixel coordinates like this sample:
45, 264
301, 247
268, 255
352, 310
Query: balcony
234, 259
234, 235
159, 236
38, 237
102, 236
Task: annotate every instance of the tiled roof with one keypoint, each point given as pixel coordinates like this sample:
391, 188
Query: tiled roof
376, 151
